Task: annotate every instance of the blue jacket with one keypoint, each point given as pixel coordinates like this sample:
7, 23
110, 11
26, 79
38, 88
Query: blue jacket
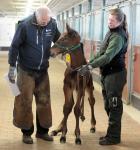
31, 44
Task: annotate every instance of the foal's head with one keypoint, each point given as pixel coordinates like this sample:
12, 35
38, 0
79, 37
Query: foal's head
67, 41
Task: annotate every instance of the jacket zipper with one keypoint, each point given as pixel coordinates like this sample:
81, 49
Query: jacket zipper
37, 37
42, 49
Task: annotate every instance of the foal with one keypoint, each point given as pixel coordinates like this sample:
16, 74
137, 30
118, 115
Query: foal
69, 45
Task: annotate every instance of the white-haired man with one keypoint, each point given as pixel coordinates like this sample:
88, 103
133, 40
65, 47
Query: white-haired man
30, 50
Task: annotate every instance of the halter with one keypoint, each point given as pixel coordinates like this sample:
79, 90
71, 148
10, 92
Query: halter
66, 49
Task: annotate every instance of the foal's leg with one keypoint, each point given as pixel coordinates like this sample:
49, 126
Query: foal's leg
67, 108
77, 112
59, 129
91, 99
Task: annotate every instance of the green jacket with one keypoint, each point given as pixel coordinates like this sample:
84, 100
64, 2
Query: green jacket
112, 45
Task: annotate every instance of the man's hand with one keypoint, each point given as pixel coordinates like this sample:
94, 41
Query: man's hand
84, 69
11, 74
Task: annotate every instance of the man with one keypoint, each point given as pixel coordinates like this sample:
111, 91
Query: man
30, 50
111, 60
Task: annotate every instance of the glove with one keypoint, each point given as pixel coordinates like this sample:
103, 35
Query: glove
84, 69
12, 74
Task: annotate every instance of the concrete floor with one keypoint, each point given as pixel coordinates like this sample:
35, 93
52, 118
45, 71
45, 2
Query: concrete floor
10, 136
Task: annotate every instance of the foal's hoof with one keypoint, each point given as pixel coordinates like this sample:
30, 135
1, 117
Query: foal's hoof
63, 139
54, 133
82, 118
92, 130
78, 141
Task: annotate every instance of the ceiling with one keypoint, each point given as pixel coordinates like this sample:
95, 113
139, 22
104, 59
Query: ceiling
60, 5
18, 8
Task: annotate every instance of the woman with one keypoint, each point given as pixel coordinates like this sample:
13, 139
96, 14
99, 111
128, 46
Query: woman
111, 60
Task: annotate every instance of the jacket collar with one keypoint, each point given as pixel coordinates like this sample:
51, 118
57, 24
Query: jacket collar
116, 29
33, 20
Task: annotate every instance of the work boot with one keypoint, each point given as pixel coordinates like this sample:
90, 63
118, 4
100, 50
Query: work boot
102, 137
27, 139
108, 141
45, 137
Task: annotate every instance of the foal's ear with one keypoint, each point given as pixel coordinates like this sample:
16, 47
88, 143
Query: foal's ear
68, 28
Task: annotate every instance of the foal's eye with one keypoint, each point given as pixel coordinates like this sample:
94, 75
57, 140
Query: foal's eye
64, 39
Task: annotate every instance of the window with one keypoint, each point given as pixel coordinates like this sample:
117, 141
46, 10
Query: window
91, 27
97, 4
89, 5
137, 42
105, 29
77, 25
84, 7
81, 27
87, 27
80, 9
97, 26
67, 13
73, 11
77, 10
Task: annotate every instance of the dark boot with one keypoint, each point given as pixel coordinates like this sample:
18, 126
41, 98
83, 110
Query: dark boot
27, 139
45, 137
108, 141
102, 137
42, 133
